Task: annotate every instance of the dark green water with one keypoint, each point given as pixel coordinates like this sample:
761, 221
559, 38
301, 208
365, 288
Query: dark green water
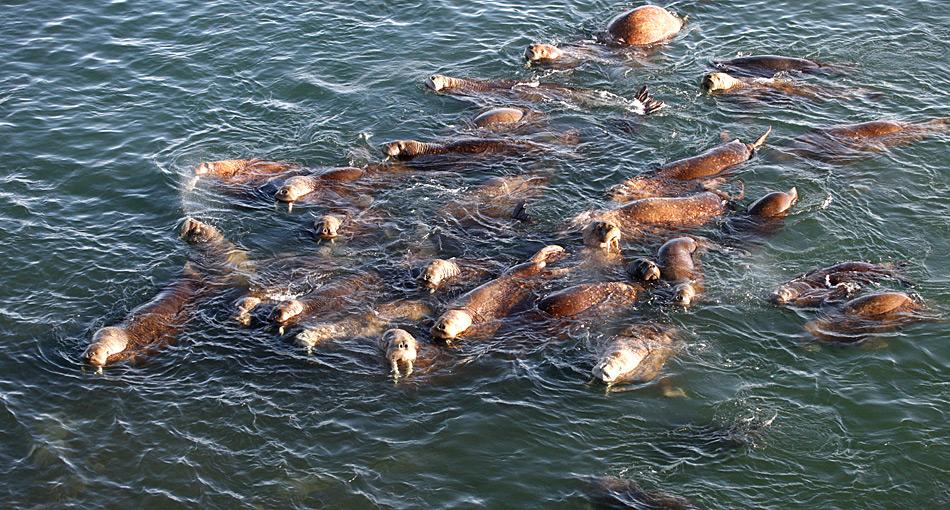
105, 108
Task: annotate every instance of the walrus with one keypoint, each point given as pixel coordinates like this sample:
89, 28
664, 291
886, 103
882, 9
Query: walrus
500, 117
873, 313
643, 26
767, 65
852, 141
369, 324
566, 56
495, 299
658, 213
405, 150
332, 296
215, 251
611, 492
442, 272
328, 226
240, 171
299, 186
498, 198
675, 264
678, 176
724, 83
833, 283
588, 297
637, 355
147, 328
602, 236
642, 103
775, 204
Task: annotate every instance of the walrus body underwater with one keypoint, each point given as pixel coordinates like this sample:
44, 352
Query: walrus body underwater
683, 175
498, 198
829, 284
674, 264
148, 328
243, 171
366, 324
480, 309
641, 103
636, 355
331, 297
302, 187
409, 150
865, 315
602, 298
852, 141
723, 83
767, 66
610, 492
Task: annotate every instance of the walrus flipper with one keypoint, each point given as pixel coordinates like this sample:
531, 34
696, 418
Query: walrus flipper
650, 104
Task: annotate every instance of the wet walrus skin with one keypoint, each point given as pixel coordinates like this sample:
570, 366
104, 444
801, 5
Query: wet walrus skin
636, 355
767, 65
645, 25
677, 177
495, 299
332, 296
674, 264
240, 171
147, 328
586, 297
874, 313
832, 283
297, 187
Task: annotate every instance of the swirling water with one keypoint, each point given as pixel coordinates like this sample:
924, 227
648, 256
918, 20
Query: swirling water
107, 106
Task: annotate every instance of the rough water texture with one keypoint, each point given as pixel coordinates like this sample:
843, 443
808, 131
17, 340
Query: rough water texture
105, 109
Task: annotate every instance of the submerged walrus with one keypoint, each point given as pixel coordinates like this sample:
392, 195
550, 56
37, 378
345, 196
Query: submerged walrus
147, 328
332, 296
767, 65
724, 83
491, 301
679, 176
610, 492
637, 354
834, 283
503, 117
368, 324
874, 313
675, 264
590, 297
498, 198
641, 103
241, 171
297, 187
442, 272
215, 251
841, 143
405, 150
645, 25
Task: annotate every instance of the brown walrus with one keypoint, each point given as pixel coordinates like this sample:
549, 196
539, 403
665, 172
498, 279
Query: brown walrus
645, 25
675, 264
214, 250
498, 198
400, 347
481, 307
589, 297
567, 56
773, 205
724, 83
240, 171
865, 315
610, 492
767, 65
147, 328
332, 296
636, 355
833, 283
368, 324
297, 187
405, 150
500, 117
641, 103
677, 177
602, 236
442, 272
658, 213
841, 143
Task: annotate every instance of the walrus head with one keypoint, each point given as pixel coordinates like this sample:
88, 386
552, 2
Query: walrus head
286, 311
295, 188
317, 334
542, 51
718, 81
328, 227
401, 347
452, 324
436, 272
404, 149
684, 293
616, 363
197, 232
106, 342
643, 270
602, 235
784, 294
243, 308
440, 82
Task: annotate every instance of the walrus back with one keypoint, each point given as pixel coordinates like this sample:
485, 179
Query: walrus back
710, 163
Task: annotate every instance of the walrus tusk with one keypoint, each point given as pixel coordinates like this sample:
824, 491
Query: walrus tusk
280, 331
99, 370
408, 368
290, 207
309, 350
192, 183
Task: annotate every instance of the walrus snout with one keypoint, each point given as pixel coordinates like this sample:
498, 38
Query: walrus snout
717, 81
294, 188
782, 296
644, 270
684, 293
607, 370
452, 324
105, 342
287, 310
204, 168
196, 232
542, 51
437, 82
328, 227
602, 235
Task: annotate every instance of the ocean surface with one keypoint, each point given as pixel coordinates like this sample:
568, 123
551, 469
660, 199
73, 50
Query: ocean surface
107, 107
